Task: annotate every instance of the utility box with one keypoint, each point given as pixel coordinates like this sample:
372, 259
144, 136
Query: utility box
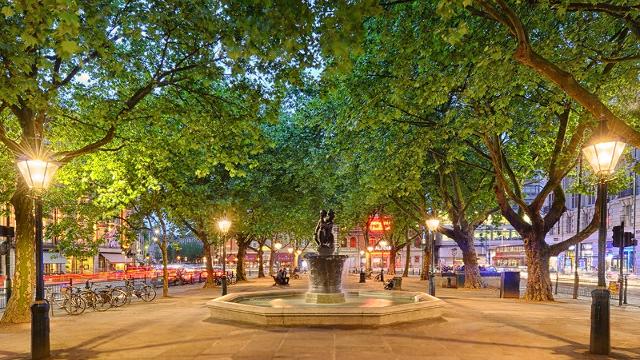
510, 285
460, 279
397, 283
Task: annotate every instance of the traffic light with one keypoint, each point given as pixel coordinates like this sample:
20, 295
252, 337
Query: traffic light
629, 239
617, 235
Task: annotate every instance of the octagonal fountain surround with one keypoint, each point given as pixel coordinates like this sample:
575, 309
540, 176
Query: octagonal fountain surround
326, 303
360, 308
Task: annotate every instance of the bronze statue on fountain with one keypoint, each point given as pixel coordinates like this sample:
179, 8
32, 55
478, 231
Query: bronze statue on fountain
324, 233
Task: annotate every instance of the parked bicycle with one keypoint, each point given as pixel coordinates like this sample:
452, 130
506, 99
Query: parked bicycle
99, 300
72, 303
231, 279
144, 291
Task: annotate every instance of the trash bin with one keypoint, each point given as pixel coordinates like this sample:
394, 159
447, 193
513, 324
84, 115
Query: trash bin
362, 277
510, 284
449, 281
397, 283
460, 280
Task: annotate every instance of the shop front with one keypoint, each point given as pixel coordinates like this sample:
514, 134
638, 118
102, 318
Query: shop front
54, 263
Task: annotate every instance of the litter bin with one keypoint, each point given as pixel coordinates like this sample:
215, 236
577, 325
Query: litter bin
449, 280
397, 283
510, 284
460, 280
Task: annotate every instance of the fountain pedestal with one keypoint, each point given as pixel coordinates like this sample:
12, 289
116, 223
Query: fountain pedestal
325, 278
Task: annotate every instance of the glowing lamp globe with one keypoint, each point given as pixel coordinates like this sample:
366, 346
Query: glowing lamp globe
277, 245
433, 224
369, 248
37, 173
298, 251
224, 225
290, 250
603, 155
383, 243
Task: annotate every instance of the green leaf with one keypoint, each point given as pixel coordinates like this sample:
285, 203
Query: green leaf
7, 11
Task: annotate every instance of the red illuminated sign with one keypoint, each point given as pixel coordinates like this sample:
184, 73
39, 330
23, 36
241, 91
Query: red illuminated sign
379, 224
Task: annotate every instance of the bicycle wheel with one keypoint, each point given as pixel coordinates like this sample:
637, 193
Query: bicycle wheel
127, 292
148, 293
102, 301
74, 305
118, 297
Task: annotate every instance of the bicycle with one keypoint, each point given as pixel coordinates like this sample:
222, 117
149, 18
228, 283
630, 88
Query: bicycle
231, 279
144, 292
118, 296
67, 300
99, 300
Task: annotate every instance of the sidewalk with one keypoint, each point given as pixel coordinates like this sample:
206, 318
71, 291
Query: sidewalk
476, 325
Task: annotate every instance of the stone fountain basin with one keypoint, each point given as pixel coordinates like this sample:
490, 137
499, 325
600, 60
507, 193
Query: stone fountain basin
289, 310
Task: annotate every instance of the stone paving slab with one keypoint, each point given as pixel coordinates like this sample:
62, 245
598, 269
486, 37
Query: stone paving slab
476, 325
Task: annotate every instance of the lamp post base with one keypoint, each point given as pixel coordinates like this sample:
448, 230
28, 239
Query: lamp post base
432, 285
600, 331
40, 345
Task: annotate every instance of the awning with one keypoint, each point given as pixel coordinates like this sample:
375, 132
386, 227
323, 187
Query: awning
53, 258
115, 258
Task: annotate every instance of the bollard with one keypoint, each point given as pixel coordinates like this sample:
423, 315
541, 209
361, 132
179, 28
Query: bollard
362, 277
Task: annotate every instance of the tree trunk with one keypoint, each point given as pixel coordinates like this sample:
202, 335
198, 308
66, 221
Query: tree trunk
18, 309
407, 261
260, 262
426, 262
207, 252
272, 259
241, 275
391, 269
472, 278
165, 270
538, 278
165, 255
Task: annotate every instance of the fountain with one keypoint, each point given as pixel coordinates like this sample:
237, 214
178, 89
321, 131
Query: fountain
325, 303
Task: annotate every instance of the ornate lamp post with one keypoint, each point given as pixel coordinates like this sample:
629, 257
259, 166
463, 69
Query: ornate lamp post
369, 251
362, 260
224, 225
432, 224
602, 152
37, 174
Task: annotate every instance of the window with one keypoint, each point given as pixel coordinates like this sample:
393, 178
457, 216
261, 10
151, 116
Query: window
352, 242
569, 223
627, 212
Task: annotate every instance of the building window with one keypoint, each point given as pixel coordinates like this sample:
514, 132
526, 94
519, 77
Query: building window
569, 222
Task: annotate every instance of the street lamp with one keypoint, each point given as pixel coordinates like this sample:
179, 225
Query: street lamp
369, 250
602, 152
224, 225
37, 174
432, 224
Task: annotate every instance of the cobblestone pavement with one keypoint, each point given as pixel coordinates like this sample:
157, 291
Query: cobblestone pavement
476, 325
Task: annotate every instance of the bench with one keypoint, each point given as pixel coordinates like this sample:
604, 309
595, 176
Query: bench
280, 282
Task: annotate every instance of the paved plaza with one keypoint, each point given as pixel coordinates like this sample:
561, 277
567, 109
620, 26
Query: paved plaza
475, 325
